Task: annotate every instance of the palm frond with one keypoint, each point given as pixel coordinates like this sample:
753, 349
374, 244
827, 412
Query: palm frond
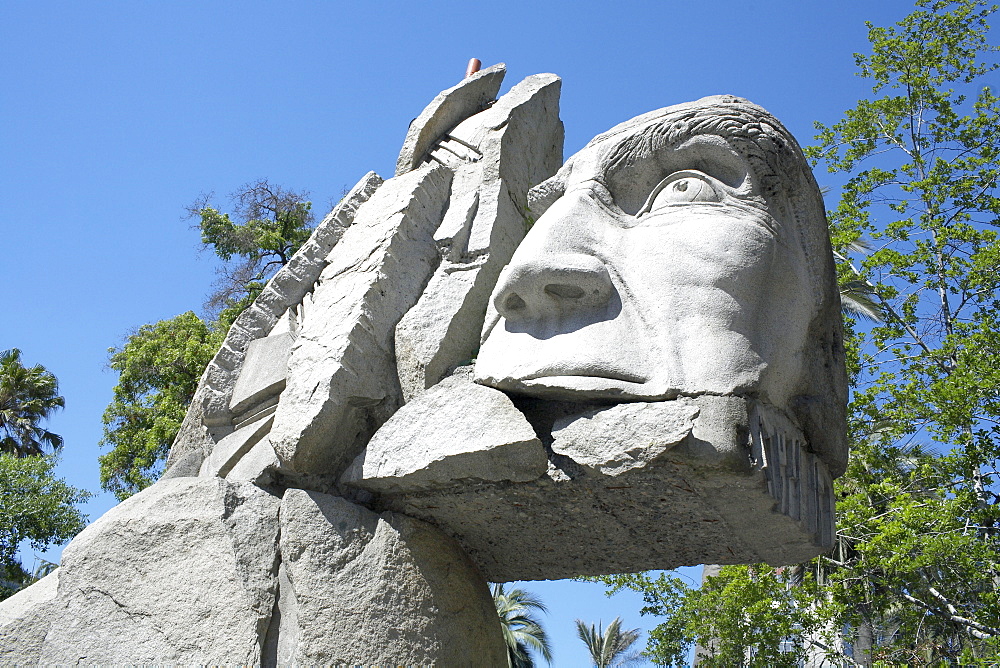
857, 299
521, 629
609, 648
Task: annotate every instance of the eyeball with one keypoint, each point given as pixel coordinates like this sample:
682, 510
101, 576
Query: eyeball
682, 187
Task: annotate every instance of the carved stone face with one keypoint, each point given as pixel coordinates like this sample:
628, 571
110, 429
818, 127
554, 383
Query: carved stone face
669, 261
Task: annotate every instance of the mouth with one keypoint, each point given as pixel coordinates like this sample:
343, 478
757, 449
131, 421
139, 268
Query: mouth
584, 386
603, 374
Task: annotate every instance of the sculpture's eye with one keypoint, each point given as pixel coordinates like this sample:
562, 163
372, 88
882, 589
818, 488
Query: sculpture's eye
682, 188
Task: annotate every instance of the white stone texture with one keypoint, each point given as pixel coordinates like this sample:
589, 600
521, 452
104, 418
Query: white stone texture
497, 155
679, 482
648, 399
231, 448
257, 466
456, 433
264, 369
209, 415
364, 589
24, 621
342, 383
682, 253
468, 97
184, 571
611, 441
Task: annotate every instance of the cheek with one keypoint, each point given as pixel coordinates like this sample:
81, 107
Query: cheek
719, 251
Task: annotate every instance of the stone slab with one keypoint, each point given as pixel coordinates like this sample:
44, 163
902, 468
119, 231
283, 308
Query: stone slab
257, 466
233, 447
695, 481
264, 370
512, 146
209, 410
365, 589
455, 433
450, 106
342, 384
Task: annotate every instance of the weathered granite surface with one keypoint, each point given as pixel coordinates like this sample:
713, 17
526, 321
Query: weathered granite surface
497, 156
24, 621
457, 432
209, 417
341, 373
682, 253
446, 110
644, 397
183, 571
361, 588
703, 479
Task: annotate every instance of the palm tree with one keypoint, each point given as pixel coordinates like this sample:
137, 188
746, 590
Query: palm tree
521, 629
859, 297
611, 648
27, 396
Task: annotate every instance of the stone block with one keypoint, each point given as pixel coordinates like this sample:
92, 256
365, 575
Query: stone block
341, 381
210, 406
231, 448
264, 369
183, 572
359, 588
518, 142
256, 466
456, 433
470, 96
704, 479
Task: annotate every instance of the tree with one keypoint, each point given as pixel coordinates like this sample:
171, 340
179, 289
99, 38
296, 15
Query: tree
610, 648
918, 525
37, 507
158, 371
27, 396
521, 629
743, 616
160, 364
913, 578
271, 224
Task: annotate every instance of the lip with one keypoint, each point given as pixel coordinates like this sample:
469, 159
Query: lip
611, 374
583, 387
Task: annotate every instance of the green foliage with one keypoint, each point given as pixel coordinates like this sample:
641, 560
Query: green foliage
27, 396
35, 506
609, 648
914, 575
159, 367
270, 224
521, 628
744, 616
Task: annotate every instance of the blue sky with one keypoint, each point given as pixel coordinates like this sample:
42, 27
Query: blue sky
115, 115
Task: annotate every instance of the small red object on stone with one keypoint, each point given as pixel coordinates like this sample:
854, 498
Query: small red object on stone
473, 67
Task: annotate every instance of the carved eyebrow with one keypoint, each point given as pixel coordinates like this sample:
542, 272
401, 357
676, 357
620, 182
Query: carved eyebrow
635, 167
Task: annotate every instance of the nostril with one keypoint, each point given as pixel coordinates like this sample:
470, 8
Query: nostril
513, 302
552, 286
564, 291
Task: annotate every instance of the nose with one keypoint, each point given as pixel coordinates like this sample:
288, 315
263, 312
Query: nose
552, 286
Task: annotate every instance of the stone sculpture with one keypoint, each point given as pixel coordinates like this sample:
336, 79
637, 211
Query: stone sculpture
651, 377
